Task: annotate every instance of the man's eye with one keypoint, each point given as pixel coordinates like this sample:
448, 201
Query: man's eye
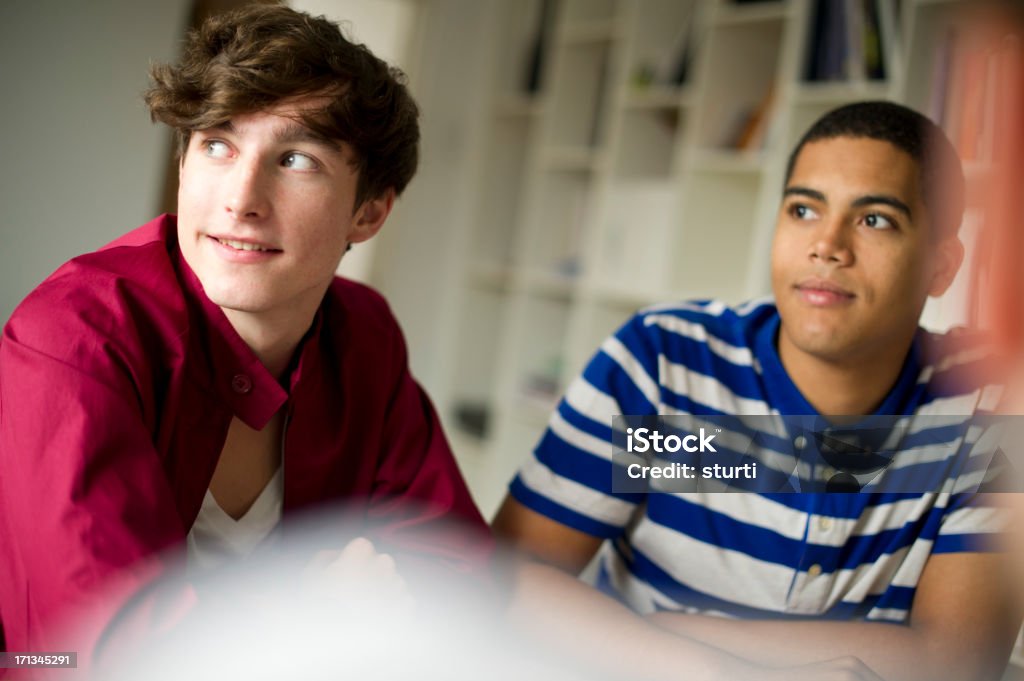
802, 212
216, 149
878, 221
299, 161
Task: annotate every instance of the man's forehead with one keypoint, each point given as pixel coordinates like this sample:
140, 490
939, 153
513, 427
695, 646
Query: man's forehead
849, 168
280, 126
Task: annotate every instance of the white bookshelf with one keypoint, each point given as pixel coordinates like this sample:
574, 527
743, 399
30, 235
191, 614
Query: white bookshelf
612, 187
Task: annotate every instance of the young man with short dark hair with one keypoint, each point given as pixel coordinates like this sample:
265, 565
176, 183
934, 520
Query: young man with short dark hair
207, 374
904, 582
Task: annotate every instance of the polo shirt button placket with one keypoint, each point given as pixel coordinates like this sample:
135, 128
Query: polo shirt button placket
241, 384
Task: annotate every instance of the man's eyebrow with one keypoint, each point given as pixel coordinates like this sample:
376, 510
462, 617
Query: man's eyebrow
891, 201
805, 191
868, 200
288, 133
300, 133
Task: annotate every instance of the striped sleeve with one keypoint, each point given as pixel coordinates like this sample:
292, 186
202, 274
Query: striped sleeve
973, 519
971, 523
568, 478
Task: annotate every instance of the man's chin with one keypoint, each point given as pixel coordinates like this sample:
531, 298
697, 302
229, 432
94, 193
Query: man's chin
825, 345
241, 304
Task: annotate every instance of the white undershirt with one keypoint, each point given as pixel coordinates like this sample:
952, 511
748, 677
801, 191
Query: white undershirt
216, 538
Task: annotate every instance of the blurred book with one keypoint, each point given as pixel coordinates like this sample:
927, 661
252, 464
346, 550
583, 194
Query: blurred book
848, 40
473, 417
538, 49
674, 68
752, 133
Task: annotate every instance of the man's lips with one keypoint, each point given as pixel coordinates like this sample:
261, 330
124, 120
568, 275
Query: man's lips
243, 251
822, 292
244, 245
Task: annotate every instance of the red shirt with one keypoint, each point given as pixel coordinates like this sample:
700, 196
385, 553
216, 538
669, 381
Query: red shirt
118, 380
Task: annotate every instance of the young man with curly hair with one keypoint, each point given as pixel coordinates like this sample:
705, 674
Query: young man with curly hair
206, 374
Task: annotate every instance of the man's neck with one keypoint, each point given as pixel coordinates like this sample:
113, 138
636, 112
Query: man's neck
272, 336
848, 387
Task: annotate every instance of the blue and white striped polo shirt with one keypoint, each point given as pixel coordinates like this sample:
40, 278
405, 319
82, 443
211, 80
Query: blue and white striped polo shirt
760, 555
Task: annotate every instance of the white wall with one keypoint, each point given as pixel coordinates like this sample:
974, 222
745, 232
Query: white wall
418, 257
81, 163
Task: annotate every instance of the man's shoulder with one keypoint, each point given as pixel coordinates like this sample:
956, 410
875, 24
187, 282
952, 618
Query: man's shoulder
111, 293
947, 345
958, 361
360, 308
706, 321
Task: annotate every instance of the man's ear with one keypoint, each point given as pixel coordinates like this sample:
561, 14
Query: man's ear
949, 255
370, 216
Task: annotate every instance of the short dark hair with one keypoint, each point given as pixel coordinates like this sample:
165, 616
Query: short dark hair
941, 173
250, 59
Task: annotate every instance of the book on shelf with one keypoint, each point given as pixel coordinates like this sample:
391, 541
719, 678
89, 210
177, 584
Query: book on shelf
541, 385
473, 416
597, 119
828, 41
848, 40
674, 67
874, 62
538, 48
853, 67
751, 123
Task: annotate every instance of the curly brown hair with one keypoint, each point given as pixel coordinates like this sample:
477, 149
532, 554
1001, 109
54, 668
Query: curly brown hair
250, 59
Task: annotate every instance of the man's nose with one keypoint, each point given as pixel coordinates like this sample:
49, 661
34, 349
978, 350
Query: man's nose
246, 194
831, 243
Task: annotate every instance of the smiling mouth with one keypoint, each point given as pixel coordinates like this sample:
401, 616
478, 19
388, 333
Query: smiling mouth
245, 245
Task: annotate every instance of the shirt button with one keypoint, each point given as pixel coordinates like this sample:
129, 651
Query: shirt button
825, 524
814, 570
241, 384
799, 442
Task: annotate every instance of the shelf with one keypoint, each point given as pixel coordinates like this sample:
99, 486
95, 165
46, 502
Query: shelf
491, 276
590, 31
734, 15
516, 105
727, 161
572, 159
624, 297
833, 93
547, 283
657, 97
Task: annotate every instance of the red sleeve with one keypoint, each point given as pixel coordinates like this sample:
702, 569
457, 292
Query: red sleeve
420, 500
83, 497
